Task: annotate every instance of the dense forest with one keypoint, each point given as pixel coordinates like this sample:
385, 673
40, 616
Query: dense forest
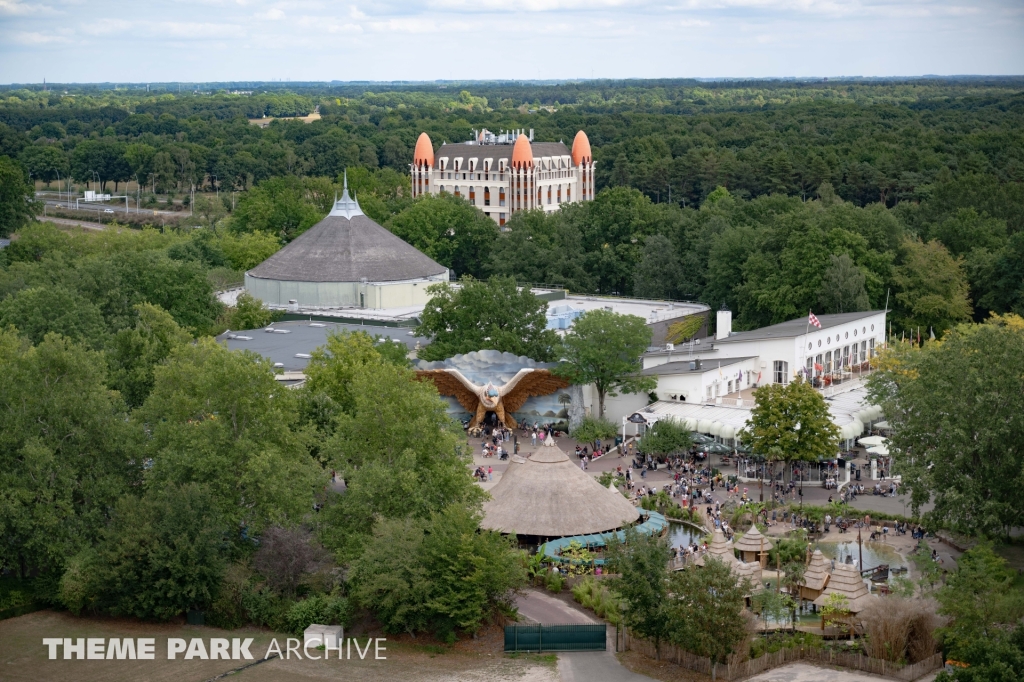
768, 197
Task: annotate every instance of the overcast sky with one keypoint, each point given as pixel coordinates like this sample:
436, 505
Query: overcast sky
218, 40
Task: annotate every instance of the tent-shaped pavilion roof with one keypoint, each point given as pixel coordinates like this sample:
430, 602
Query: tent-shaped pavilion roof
546, 495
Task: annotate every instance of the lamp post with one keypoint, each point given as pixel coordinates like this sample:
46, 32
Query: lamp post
796, 427
216, 185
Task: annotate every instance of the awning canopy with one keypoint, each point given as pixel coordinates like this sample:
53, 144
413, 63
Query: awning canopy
872, 441
879, 450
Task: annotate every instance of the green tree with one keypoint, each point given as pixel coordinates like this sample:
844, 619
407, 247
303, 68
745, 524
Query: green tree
333, 367
277, 206
791, 422
932, 290
399, 453
161, 555
707, 611
39, 311
942, 434
18, 206
67, 452
660, 273
250, 313
45, 162
666, 437
978, 598
604, 348
246, 251
842, 287
640, 564
449, 230
135, 352
477, 315
441, 573
219, 418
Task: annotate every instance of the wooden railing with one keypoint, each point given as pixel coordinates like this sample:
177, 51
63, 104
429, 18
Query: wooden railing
736, 668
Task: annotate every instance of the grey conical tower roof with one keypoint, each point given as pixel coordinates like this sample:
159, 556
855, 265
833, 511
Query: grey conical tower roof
347, 246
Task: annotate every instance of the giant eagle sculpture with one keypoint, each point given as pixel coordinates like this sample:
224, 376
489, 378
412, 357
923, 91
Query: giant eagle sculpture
502, 400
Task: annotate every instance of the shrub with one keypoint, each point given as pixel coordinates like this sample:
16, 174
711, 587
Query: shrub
555, 582
287, 556
322, 609
900, 629
592, 428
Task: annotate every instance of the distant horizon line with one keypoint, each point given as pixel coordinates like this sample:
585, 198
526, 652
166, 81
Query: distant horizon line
555, 81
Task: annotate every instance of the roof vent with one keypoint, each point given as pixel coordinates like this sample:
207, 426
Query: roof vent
346, 207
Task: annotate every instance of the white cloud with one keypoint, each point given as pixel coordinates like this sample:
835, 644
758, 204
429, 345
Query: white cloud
37, 38
690, 23
17, 8
272, 14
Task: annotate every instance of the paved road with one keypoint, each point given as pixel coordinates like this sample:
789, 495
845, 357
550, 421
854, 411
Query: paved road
804, 672
583, 666
596, 666
547, 610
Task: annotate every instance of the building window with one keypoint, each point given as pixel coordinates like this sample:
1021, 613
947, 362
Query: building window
846, 356
854, 354
472, 195
810, 367
828, 362
855, 332
871, 347
711, 393
730, 388
549, 195
818, 361
863, 351
501, 199
781, 372
487, 196
559, 194
457, 190
501, 217
568, 193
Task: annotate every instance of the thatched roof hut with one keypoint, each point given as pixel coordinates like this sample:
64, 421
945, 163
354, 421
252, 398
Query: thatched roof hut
816, 576
846, 580
753, 546
547, 496
721, 549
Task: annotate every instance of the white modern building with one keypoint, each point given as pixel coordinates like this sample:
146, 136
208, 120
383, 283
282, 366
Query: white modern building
504, 173
708, 385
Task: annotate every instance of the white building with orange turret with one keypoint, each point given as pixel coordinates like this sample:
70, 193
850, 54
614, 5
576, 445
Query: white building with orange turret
504, 173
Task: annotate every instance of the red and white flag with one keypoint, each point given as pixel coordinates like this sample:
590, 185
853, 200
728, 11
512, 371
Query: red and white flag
814, 320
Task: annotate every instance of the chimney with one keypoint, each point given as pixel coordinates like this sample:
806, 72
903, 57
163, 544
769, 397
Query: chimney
724, 326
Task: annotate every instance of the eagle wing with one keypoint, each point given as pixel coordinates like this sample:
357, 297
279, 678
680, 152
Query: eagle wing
528, 383
451, 382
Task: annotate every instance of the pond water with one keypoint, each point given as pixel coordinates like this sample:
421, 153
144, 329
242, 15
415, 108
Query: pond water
875, 553
683, 534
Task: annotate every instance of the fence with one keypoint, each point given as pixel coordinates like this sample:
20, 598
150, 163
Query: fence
556, 637
737, 669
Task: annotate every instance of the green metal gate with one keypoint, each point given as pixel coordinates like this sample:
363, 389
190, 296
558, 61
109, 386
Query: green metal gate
555, 638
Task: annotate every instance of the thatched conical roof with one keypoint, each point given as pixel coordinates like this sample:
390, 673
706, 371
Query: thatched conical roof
816, 575
549, 496
752, 541
846, 580
719, 549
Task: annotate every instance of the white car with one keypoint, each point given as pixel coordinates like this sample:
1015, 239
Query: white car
108, 210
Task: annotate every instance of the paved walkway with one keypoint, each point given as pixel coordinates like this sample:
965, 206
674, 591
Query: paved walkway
547, 610
582, 666
596, 666
805, 672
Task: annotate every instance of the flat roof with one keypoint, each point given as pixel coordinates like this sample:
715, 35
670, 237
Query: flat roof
795, 328
683, 366
649, 309
302, 337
